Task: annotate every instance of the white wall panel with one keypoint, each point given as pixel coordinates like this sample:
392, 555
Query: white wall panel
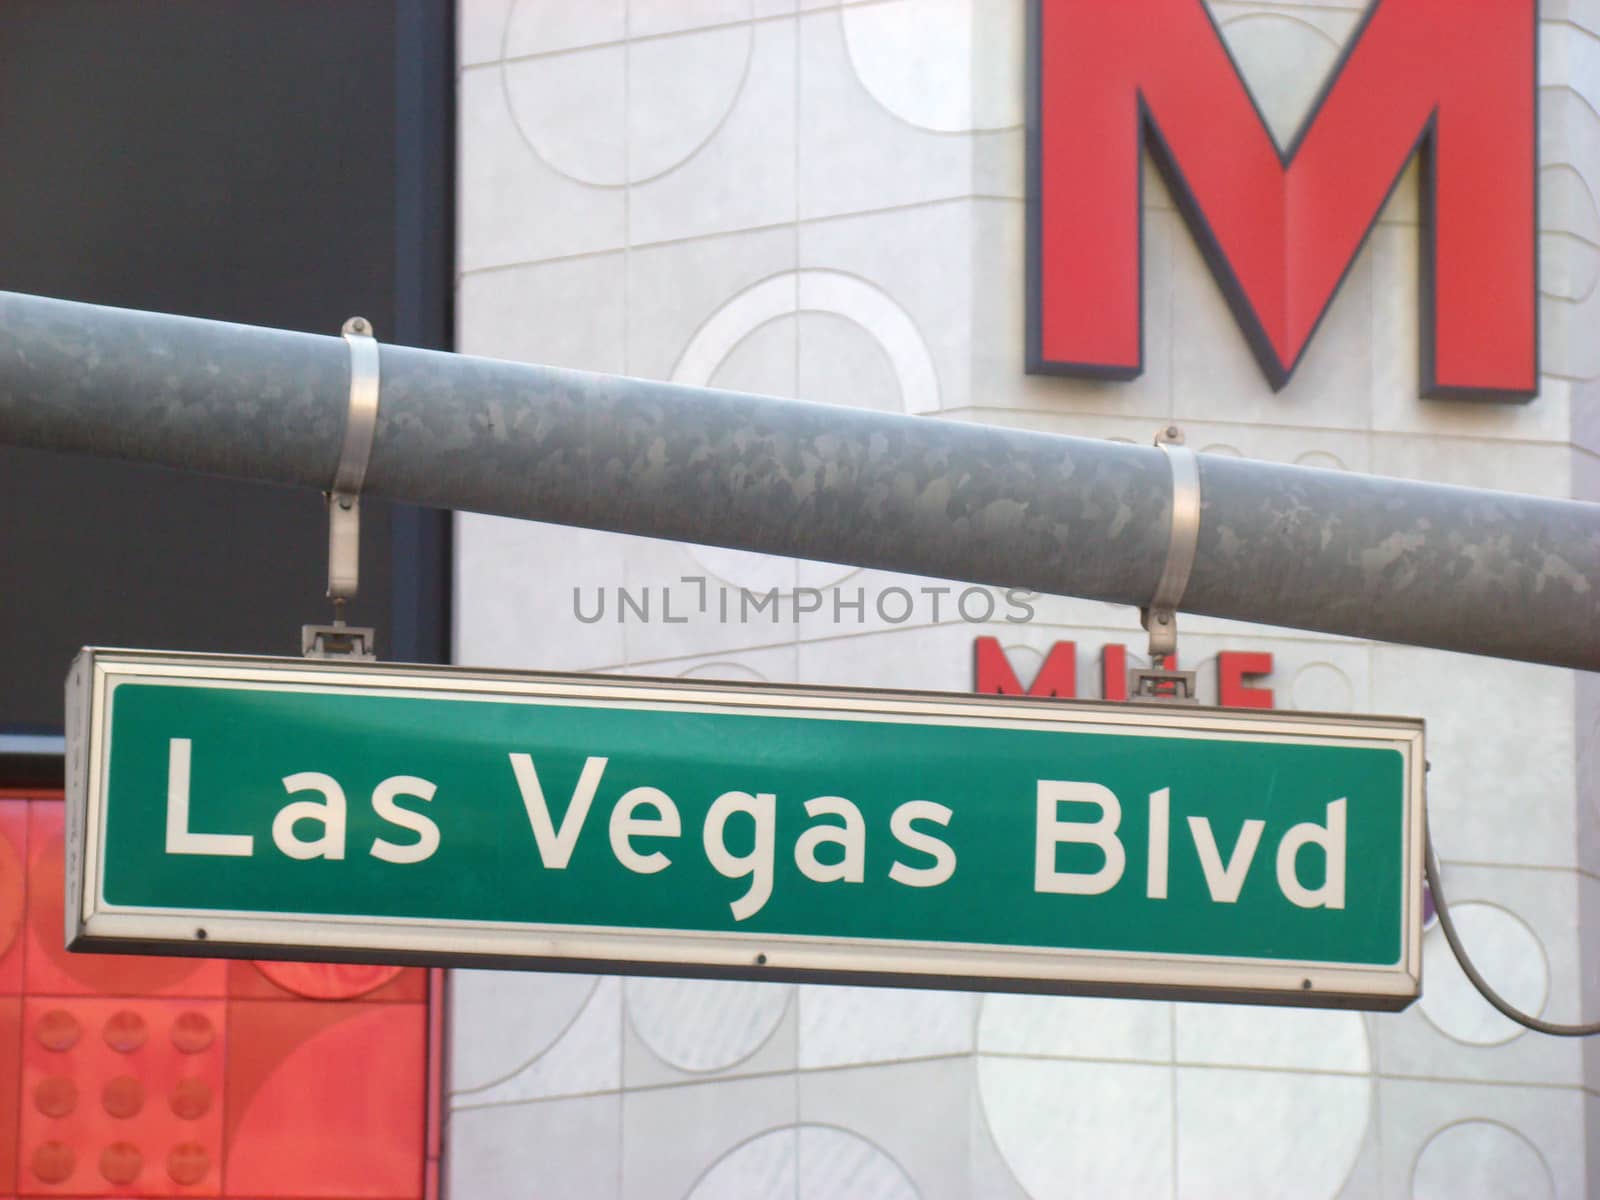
824, 199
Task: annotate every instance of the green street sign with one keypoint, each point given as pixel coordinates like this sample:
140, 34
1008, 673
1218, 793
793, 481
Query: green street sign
293, 808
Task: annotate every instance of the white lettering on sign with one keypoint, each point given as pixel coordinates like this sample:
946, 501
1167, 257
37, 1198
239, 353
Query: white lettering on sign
912, 838
1330, 838
1156, 863
383, 803
1053, 832
330, 813
626, 825
762, 809
180, 839
833, 849
555, 847
851, 838
1224, 881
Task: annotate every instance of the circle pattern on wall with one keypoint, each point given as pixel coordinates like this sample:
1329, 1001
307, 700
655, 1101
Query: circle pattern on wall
705, 1025
328, 981
1506, 951
1322, 687
807, 1162
917, 59
619, 113
1088, 1090
530, 1013
1480, 1160
1284, 60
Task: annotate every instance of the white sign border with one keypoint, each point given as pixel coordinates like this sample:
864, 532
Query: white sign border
92, 923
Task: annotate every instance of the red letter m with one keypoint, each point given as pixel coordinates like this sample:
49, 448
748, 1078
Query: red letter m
1454, 80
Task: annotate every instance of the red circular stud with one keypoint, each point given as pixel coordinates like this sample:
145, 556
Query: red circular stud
188, 1163
123, 1097
192, 1032
56, 1096
125, 1031
53, 1162
191, 1099
120, 1162
58, 1030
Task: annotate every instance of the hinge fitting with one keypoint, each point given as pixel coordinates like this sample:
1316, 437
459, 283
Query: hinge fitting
1160, 616
338, 640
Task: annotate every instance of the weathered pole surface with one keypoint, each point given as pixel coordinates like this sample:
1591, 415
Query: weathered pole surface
1455, 568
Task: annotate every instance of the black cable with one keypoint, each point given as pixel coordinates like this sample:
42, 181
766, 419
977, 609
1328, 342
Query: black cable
1477, 980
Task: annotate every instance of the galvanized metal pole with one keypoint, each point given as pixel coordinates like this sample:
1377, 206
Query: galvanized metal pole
1460, 569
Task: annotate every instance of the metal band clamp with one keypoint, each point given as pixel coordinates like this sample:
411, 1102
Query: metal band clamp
344, 503
1160, 617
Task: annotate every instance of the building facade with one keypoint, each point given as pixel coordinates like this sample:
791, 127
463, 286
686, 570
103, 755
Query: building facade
829, 201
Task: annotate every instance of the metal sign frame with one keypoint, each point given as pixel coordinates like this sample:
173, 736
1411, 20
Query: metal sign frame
94, 924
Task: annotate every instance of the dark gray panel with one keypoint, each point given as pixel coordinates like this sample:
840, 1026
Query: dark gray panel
251, 161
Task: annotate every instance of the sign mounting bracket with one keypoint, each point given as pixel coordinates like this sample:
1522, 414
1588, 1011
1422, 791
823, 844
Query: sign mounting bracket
338, 640
1160, 616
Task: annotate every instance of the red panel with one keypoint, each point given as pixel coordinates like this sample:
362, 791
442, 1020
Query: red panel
1280, 232
309, 1116
125, 1075
52, 971
10, 1071
122, 1096
435, 1132
13, 894
326, 981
